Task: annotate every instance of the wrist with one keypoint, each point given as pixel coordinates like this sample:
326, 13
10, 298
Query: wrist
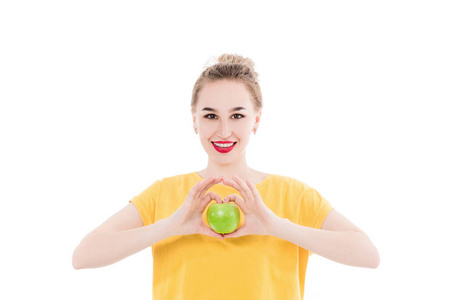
277, 226
167, 227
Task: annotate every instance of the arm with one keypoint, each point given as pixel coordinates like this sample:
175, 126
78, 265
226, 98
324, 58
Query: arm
120, 236
338, 240
123, 234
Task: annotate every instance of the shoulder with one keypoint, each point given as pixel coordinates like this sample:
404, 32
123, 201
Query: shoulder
179, 180
285, 185
297, 189
171, 185
282, 180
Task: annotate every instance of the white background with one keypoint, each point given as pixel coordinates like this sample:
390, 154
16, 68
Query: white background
95, 106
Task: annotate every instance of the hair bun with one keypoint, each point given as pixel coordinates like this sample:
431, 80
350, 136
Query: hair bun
232, 67
237, 59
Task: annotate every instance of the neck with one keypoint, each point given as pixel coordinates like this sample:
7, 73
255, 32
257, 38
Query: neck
238, 167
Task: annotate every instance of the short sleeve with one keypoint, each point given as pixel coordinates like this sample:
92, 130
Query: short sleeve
146, 201
314, 208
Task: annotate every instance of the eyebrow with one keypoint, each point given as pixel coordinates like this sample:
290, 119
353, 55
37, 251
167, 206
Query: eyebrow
233, 109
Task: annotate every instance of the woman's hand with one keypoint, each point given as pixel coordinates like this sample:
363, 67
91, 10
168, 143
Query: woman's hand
188, 219
259, 219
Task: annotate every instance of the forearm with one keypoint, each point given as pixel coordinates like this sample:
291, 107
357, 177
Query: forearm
347, 247
105, 248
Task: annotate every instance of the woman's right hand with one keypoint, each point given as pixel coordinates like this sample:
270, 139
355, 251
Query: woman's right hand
188, 219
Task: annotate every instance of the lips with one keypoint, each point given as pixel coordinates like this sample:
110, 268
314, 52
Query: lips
224, 149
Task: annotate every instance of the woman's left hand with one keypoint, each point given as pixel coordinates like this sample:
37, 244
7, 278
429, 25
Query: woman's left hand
259, 219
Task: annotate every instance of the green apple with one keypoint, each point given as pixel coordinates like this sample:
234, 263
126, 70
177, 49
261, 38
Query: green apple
223, 217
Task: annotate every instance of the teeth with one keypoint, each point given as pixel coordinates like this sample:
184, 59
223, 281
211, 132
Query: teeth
223, 145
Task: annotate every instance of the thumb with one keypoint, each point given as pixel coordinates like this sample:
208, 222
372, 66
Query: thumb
236, 233
209, 232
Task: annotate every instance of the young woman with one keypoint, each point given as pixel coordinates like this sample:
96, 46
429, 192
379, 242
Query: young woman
284, 220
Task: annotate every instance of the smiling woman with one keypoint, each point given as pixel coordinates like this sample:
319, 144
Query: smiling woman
225, 97
282, 220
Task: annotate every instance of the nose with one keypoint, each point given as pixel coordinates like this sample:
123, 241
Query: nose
225, 129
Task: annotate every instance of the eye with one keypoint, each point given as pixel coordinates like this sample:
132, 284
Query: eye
213, 116
208, 116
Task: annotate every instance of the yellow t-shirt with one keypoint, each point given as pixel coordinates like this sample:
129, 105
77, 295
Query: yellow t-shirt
248, 267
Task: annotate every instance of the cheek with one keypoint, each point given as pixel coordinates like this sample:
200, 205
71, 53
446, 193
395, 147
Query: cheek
206, 132
205, 127
203, 123
245, 128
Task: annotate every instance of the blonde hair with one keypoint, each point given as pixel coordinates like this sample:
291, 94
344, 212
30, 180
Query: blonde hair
230, 67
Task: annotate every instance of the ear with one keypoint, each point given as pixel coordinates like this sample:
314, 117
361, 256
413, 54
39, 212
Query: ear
258, 116
194, 120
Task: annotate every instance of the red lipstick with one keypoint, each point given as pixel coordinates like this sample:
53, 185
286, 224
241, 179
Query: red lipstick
224, 149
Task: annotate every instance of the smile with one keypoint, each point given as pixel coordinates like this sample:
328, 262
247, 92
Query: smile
224, 147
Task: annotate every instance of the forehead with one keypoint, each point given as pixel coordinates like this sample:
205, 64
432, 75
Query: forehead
223, 95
